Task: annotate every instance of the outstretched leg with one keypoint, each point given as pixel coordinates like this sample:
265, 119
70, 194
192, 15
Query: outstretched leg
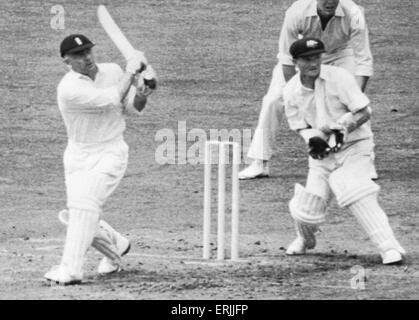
83, 219
107, 241
354, 189
269, 119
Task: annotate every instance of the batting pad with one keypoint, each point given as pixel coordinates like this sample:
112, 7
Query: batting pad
82, 226
349, 188
306, 207
105, 241
105, 238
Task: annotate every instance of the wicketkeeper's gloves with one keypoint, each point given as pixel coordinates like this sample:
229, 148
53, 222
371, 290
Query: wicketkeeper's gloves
318, 148
338, 138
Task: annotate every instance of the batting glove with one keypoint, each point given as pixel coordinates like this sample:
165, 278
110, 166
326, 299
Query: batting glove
145, 82
150, 77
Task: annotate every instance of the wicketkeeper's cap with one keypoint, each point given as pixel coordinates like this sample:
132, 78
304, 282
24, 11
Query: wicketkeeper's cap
74, 43
306, 47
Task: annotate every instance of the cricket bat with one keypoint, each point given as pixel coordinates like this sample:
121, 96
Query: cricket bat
118, 38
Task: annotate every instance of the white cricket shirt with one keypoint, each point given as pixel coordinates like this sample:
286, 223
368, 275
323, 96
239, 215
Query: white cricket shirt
345, 34
91, 109
335, 93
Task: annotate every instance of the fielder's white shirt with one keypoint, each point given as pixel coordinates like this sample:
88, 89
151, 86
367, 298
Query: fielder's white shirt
345, 34
91, 109
335, 93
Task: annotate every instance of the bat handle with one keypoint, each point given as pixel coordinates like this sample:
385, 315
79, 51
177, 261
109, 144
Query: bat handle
151, 83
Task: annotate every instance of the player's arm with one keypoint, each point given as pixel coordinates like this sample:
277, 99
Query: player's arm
315, 139
289, 34
350, 94
351, 121
140, 90
345, 125
357, 103
358, 113
140, 99
135, 63
139, 102
86, 98
361, 47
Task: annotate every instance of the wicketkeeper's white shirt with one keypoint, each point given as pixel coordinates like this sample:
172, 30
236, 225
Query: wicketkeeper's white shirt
346, 34
336, 93
91, 109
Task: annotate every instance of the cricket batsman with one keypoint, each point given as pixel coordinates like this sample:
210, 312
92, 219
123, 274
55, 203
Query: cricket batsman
341, 26
93, 99
326, 106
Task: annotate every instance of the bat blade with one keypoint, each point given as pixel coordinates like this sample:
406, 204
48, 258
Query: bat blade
113, 31
118, 38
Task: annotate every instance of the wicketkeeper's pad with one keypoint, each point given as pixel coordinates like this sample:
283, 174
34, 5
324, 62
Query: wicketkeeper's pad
306, 207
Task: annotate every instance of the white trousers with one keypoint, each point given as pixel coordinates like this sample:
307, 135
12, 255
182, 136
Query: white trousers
272, 111
93, 172
352, 164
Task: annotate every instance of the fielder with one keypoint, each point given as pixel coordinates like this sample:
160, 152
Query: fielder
93, 100
342, 28
325, 105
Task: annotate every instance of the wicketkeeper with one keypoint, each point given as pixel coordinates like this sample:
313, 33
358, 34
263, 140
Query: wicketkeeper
341, 26
326, 106
93, 100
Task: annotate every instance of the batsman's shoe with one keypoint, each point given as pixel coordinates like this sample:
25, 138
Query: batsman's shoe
255, 170
107, 266
299, 246
59, 275
306, 239
391, 256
